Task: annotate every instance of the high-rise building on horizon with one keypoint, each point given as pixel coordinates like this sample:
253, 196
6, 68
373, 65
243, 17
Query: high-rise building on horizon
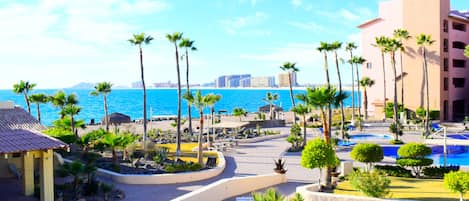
265, 81
447, 66
230, 81
283, 80
220, 82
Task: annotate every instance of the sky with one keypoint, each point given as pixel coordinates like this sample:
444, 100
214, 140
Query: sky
59, 43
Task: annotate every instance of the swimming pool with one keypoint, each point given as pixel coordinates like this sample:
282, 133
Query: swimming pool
457, 155
360, 137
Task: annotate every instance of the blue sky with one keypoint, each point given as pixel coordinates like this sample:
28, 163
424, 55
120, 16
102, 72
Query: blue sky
58, 43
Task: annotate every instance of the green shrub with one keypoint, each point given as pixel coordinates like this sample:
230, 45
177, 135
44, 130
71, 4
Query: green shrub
318, 154
438, 172
390, 109
367, 153
182, 167
297, 197
62, 134
413, 155
457, 182
421, 112
394, 171
295, 142
161, 155
393, 128
270, 194
373, 184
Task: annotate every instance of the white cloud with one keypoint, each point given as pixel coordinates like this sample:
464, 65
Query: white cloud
308, 26
349, 16
246, 25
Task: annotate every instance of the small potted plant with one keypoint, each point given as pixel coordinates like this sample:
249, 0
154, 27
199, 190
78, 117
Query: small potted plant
280, 166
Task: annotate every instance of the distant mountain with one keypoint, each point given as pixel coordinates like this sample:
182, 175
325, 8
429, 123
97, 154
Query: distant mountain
83, 85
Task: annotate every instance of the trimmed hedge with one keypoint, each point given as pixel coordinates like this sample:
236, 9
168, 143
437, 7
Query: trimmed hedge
394, 171
438, 172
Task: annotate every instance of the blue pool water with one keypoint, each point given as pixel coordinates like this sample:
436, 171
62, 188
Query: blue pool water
362, 137
459, 136
457, 155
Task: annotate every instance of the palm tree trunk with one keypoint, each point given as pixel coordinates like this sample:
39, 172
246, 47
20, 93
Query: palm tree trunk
26, 99
402, 81
189, 116
304, 130
359, 94
114, 156
38, 112
72, 125
365, 103
178, 127
291, 96
395, 103
200, 148
342, 114
106, 117
144, 101
353, 89
270, 111
427, 114
329, 111
212, 110
384, 85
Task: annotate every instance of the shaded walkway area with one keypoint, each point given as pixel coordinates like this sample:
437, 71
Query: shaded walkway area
11, 190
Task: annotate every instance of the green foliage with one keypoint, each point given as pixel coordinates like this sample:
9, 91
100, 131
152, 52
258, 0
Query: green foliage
393, 128
295, 141
457, 182
270, 194
161, 155
394, 171
414, 162
182, 167
390, 109
438, 172
318, 154
297, 197
63, 135
295, 129
421, 112
367, 153
414, 150
373, 184
396, 142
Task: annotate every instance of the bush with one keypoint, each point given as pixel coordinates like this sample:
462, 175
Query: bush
457, 182
161, 155
438, 172
393, 128
62, 134
413, 155
421, 112
182, 167
295, 142
270, 195
318, 154
394, 171
390, 109
367, 153
373, 184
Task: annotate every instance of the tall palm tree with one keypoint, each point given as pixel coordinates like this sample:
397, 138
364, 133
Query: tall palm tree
188, 45
402, 35
103, 88
175, 38
365, 83
325, 48
336, 46
380, 42
350, 47
212, 100
392, 46
138, 40
270, 98
357, 60
303, 110
466, 51
323, 98
424, 40
38, 99
239, 112
72, 111
60, 99
24, 87
200, 102
290, 68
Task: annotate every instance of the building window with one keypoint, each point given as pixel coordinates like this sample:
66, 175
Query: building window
445, 26
445, 64
369, 65
459, 82
445, 84
459, 26
459, 63
445, 45
459, 45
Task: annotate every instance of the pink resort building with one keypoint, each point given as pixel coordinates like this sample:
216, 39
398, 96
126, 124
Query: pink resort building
447, 66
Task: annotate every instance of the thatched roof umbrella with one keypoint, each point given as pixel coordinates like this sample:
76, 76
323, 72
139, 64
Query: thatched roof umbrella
117, 118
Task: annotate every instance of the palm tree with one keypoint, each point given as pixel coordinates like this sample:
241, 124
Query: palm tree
103, 88
239, 112
303, 110
290, 68
212, 100
188, 45
138, 40
174, 38
358, 61
423, 41
350, 47
60, 99
38, 99
365, 83
380, 42
466, 51
270, 98
72, 111
402, 35
324, 48
200, 102
392, 46
335, 46
24, 87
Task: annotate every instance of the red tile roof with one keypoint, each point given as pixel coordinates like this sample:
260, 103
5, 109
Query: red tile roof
20, 132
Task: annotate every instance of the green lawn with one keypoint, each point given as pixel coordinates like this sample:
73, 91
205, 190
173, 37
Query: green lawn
410, 188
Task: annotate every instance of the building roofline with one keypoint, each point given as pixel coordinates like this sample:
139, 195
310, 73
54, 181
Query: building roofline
370, 22
458, 15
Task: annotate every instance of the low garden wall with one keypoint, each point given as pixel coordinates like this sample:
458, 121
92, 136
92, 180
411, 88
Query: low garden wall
169, 178
262, 138
230, 187
309, 193
266, 123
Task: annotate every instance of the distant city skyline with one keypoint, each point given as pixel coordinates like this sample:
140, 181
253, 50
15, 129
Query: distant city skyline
57, 44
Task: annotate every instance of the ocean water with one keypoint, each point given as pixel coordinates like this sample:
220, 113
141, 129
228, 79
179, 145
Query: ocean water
159, 101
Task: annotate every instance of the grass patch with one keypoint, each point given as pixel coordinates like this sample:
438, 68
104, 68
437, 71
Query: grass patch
409, 188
